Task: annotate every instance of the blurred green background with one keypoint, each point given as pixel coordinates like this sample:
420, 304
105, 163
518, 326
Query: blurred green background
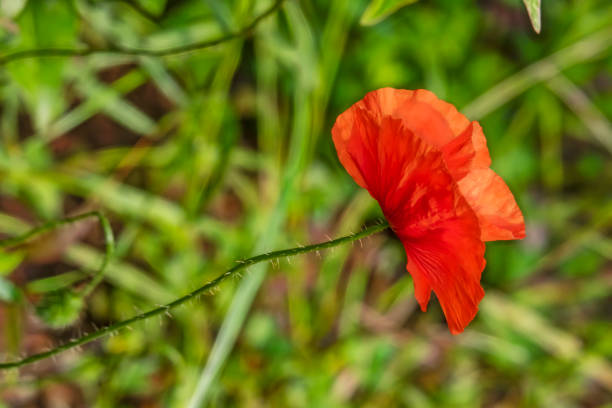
203, 158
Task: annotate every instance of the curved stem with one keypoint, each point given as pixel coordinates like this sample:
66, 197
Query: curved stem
109, 251
70, 52
208, 286
46, 227
109, 241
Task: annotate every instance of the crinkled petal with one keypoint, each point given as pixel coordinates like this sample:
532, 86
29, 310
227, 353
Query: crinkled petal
456, 121
421, 201
466, 152
498, 214
435, 121
449, 260
348, 129
413, 108
427, 166
467, 158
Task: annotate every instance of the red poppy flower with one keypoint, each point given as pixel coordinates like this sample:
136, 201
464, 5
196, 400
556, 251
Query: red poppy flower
427, 166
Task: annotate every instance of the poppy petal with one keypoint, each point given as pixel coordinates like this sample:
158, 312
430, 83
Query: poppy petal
422, 288
427, 166
456, 121
346, 131
498, 214
449, 260
423, 204
435, 121
466, 152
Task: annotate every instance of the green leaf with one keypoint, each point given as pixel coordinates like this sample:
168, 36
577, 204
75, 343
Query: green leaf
44, 24
155, 7
60, 308
54, 283
378, 10
8, 291
9, 261
533, 8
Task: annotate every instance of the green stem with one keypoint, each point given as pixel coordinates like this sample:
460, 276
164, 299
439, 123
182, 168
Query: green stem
70, 52
108, 254
109, 241
192, 295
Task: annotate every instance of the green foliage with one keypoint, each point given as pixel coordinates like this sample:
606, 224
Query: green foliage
9, 261
60, 308
8, 291
42, 25
206, 157
378, 10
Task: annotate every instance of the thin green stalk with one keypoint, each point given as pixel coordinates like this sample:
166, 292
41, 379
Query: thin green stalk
70, 52
270, 256
109, 241
108, 254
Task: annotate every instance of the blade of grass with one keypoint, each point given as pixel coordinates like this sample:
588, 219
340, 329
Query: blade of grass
214, 110
559, 343
104, 98
545, 69
535, 14
297, 157
581, 105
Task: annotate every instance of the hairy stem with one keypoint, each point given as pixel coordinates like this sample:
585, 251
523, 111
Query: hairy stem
70, 52
270, 256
